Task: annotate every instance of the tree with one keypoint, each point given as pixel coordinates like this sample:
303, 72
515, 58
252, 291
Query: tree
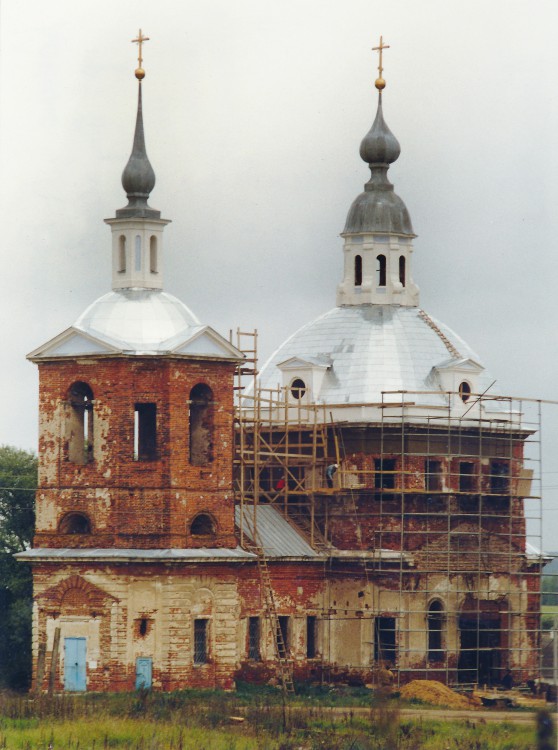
18, 480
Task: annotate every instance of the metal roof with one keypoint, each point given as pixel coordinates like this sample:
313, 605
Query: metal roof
203, 554
373, 348
137, 319
277, 537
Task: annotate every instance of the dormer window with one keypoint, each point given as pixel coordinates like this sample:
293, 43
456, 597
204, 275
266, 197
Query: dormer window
298, 389
381, 270
464, 391
358, 270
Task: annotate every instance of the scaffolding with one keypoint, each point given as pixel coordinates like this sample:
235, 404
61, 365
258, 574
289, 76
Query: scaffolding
435, 510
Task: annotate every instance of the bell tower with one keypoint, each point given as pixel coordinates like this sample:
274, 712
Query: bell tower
136, 403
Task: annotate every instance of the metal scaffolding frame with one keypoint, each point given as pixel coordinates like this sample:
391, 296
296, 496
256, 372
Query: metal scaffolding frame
441, 503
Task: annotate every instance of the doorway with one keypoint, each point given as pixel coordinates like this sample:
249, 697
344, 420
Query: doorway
75, 650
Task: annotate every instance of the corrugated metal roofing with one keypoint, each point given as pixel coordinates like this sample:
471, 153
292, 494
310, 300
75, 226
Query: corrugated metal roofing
274, 533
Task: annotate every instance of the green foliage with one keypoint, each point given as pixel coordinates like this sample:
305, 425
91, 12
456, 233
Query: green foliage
18, 480
189, 720
549, 588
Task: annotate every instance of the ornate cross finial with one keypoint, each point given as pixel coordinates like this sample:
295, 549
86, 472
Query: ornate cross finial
380, 83
140, 72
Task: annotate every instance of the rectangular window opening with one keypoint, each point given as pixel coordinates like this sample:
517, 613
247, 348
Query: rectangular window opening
499, 477
145, 432
254, 638
200, 642
384, 473
283, 636
311, 637
433, 476
385, 649
467, 479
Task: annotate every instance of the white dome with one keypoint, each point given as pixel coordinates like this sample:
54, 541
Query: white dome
370, 349
137, 319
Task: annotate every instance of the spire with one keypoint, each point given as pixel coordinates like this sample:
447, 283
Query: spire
378, 231
379, 209
137, 230
138, 177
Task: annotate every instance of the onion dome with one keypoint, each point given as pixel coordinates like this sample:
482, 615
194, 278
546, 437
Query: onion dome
378, 208
138, 177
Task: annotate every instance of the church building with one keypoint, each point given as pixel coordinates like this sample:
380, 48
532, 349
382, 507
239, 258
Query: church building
355, 509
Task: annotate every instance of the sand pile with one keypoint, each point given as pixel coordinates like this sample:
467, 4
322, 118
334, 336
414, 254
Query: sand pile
431, 691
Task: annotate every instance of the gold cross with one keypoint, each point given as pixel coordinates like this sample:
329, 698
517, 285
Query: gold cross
139, 41
380, 49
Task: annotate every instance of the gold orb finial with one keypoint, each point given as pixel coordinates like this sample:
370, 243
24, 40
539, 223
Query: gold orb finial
380, 82
140, 72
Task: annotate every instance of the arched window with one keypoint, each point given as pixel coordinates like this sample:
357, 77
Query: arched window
358, 270
381, 270
75, 523
122, 254
435, 631
464, 391
402, 270
201, 425
80, 423
137, 253
298, 389
202, 525
153, 254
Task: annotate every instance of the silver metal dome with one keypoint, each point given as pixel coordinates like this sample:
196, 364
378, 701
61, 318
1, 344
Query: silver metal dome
137, 320
371, 349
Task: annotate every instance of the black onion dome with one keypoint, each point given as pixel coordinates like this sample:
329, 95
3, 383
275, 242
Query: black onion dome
378, 208
138, 177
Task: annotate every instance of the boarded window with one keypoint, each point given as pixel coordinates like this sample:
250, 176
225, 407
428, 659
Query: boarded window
381, 270
201, 425
358, 270
254, 638
80, 423
311, 637
145, 432
435, 631
200, 642
75, 523
385, 650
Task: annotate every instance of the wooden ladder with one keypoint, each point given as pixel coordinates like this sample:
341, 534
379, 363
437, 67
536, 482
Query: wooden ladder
285, 667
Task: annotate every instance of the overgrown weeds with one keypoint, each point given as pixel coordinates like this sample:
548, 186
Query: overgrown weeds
246, 720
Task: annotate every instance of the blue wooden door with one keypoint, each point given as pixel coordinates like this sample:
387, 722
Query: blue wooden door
144, 668
74, 663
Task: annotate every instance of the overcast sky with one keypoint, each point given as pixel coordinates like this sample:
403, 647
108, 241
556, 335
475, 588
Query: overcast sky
254, 111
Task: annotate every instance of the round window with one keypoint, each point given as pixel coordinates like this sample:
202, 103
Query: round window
464, 391
298, 388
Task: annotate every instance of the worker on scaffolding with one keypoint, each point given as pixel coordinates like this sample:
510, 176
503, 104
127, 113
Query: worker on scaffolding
330, 473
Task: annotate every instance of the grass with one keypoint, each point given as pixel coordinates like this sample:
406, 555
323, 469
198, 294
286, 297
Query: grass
198, 720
